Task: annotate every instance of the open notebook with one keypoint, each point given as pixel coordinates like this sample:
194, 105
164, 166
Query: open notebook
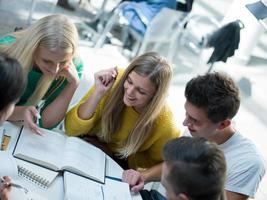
58, 152
77, 187
8, 167
37, 175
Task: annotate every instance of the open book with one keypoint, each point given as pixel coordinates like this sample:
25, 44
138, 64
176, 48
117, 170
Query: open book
77, 187
59, 153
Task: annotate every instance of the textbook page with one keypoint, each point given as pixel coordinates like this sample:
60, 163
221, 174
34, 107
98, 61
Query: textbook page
77, 187
59, 152
24, 194
44, 150
116, 190
85, 159
113, 169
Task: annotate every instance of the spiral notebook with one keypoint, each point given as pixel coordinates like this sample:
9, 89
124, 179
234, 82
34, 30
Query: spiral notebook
37, 175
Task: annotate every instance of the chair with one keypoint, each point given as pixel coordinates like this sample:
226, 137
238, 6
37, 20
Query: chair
33, 5
191, 41
158, 31
116, 17
90, 30
162, 32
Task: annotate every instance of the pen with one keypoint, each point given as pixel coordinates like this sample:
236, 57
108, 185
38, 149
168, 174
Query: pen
38, 117
14, 185
39, 107
114, 178
5, 140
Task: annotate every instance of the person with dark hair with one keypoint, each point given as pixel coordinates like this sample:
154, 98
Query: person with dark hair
212, 100
12, 85
194, 169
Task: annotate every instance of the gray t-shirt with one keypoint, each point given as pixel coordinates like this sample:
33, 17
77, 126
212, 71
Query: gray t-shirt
245, 165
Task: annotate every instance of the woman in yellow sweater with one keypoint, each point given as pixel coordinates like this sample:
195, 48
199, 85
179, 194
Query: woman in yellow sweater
127, 111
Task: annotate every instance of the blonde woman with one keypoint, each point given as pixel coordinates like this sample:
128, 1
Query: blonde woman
127, 112
47, 52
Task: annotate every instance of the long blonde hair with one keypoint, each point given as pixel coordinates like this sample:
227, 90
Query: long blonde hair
55, 33
159, 72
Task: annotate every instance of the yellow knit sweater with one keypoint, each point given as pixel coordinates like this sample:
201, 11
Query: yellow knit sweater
149, 153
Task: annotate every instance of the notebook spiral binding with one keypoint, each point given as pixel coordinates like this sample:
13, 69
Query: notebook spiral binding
32, 177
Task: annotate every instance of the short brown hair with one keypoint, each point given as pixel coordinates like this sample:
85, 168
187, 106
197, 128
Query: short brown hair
197, 168
216, 93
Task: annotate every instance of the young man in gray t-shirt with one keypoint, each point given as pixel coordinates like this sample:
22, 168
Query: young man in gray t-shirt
212, 100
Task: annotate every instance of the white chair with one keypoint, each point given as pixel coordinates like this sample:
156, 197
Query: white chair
32, 9
162, 29
116, 18
162, 32
191, 42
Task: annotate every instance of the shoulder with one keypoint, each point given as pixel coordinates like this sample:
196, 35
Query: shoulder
165, 123
165, 115
241, 148
245, 164
8, 39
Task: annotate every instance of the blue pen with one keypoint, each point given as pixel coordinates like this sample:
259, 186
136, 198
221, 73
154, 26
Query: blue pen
114, 178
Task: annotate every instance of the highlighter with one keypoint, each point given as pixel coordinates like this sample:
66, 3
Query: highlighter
5, 141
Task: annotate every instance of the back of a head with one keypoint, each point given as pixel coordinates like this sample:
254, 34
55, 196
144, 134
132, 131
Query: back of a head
216, 93
197, 168
12, 81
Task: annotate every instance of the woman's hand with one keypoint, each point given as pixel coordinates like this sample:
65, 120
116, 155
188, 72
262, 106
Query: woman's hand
105, 79
29, 115
70, 73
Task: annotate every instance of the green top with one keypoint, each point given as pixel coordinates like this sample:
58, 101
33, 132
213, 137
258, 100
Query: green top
33, 77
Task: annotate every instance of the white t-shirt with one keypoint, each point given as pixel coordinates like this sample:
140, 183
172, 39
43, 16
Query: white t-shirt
245, 165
